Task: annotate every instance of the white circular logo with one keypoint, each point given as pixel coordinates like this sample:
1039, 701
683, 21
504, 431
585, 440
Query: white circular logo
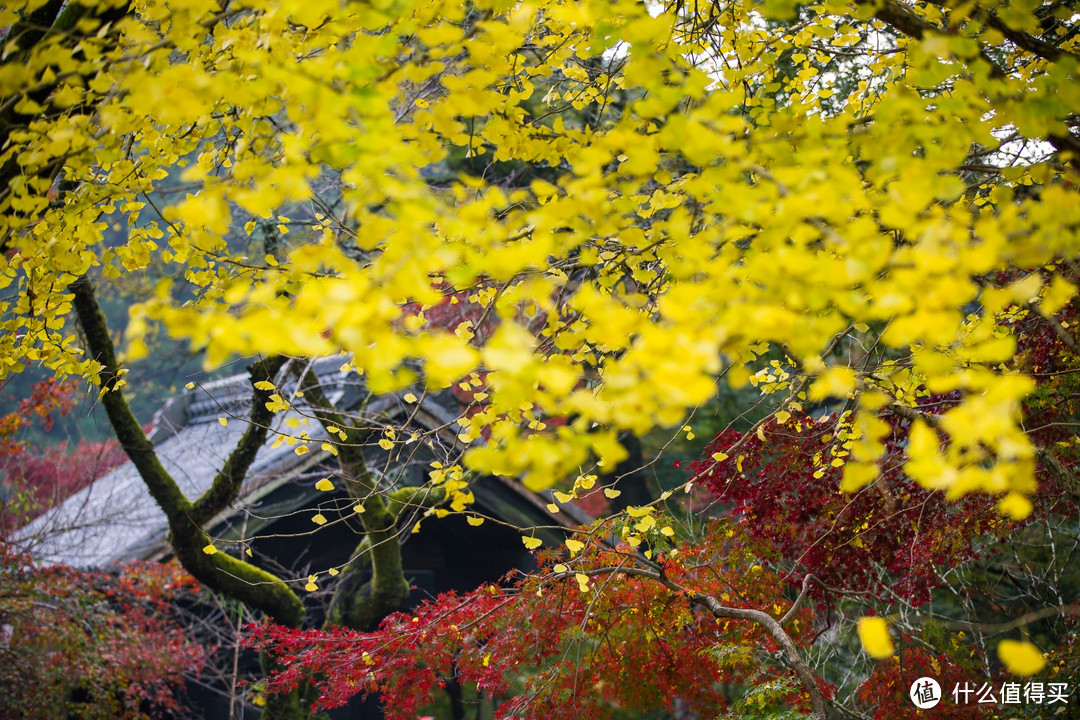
925, 693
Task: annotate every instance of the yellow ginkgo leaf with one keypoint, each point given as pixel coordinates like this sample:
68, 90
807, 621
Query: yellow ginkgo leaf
834, 382
409, 398
319, 519
332, 572
223, 421
575, 546
324, 485
560, 568
210, 549
358, 508
1015, 506
475, 521
874, 636
1020, 658
612, 493
531, 543
386, 444
311, 587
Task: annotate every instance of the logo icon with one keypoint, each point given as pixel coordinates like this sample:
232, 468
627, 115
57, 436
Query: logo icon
925, 693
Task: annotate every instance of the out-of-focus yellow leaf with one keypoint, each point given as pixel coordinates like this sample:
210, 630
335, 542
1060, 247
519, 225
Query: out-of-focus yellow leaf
1020, 657
874, 636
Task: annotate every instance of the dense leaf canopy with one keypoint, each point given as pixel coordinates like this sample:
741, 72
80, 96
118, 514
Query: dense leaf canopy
676, 190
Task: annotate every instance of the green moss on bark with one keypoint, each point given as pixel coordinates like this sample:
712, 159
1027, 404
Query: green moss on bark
219, 572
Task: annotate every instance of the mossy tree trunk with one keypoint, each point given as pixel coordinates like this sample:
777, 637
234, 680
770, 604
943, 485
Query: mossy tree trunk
359, 602
218, 571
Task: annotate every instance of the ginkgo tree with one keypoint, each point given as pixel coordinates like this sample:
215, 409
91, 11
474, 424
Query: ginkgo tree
850, 202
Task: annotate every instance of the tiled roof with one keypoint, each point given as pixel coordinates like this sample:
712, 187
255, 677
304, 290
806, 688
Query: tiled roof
116, 519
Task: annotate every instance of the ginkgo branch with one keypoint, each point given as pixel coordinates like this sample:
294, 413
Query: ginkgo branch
227, 482
217, 570
356, 604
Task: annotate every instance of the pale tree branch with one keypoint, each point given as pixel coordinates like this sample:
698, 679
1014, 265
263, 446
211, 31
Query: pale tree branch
807, 677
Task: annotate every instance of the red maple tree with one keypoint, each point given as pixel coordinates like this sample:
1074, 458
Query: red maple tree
92, 644
35, 478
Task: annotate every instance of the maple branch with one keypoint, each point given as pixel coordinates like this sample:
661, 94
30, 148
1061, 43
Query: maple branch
799, 600
791, 652
1027, 619
811, 578
774, 627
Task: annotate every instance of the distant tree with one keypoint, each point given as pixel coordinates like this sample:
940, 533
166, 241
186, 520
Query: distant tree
36, 476
92, 645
